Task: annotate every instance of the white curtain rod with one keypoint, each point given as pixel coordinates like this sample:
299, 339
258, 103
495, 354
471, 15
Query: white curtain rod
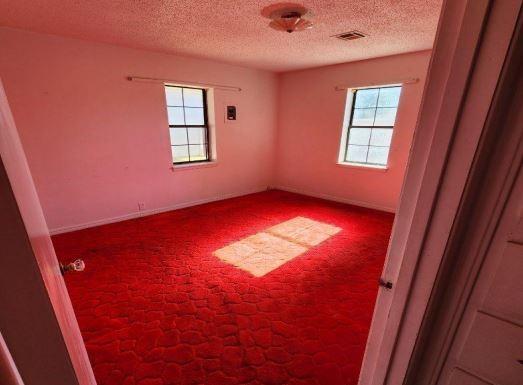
182, 83
367, 85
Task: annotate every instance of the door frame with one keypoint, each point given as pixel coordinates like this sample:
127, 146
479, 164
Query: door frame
8, 370
471, 260
471, 44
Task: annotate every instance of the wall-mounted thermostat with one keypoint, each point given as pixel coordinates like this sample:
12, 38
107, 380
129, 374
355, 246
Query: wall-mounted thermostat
231, 112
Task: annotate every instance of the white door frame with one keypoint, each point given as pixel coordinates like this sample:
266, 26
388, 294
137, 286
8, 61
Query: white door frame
494, 209
471, 44
8, 370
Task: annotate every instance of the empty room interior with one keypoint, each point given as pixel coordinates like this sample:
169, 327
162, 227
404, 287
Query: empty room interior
220, 187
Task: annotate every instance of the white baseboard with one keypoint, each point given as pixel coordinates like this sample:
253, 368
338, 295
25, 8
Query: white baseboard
336, 199
144, 213
138, 214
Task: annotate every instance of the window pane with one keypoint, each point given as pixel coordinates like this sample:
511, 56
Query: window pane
359, 136
363, 117
389, 97
186, 107
378, 155
173, 96
178, 135
381, 137
175, 115
180, 154
197, 135
385, 117
366, 98
192, 97
198, 152
357, 153
194, 116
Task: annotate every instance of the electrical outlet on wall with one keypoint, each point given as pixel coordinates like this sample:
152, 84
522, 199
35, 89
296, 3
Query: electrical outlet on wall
141, 206
230, 112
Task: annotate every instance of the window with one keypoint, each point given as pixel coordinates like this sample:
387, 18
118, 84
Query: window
370, 125
188, 128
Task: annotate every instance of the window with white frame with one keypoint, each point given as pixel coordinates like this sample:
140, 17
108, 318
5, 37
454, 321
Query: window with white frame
188, 126
368, 132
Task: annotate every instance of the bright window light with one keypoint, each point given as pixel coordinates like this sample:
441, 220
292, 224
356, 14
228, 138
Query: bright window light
367, 136
261, 253
188, 128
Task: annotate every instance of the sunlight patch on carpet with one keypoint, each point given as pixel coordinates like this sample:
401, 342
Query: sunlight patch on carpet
265, 251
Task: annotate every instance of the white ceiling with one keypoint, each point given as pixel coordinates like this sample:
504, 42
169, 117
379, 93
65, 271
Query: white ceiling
234, 30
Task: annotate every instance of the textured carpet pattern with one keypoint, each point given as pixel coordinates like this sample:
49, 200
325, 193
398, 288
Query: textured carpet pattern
156, 307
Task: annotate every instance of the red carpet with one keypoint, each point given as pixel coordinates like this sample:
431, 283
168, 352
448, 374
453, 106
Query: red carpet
156, 307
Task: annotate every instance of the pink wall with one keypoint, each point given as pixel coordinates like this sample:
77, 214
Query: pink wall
98, 144
309, 130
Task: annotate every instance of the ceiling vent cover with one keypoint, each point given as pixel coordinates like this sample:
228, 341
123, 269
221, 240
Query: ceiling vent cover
351, 35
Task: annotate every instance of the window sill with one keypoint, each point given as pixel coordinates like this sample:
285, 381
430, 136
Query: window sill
363, 166
193, 166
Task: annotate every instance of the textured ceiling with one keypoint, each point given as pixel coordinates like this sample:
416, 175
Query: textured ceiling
234, 30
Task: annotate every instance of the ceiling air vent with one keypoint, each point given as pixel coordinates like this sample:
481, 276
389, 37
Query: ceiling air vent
351, 35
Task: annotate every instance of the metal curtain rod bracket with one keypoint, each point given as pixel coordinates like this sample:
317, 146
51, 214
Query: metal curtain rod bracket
182, 83
385, 83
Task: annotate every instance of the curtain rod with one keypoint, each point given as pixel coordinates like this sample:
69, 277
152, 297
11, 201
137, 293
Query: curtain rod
182, 83
404, 81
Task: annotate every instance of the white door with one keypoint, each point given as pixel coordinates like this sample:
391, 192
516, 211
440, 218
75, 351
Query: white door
39, 319
471, 44
488, 347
